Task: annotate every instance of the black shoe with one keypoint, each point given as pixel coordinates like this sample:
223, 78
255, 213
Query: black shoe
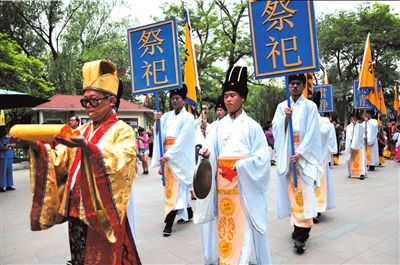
193, 198
10, 188
167, 231
299, 246
362, 177
145, 172
2, 190
182, 221
69, 262
315, 220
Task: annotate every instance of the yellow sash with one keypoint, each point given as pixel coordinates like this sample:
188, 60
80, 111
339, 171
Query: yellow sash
321, 192
231, 217
356, 163
369, 154
296, 196
171, 188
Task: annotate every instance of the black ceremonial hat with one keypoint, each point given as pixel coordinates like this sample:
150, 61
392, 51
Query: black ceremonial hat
300, 77
236, 80
180, 92
220, 103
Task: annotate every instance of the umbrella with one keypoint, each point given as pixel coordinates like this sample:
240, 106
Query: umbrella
10, 99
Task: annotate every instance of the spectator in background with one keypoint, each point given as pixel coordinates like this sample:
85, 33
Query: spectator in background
6, 160
74, 122
151, 140
143, 145
270, 141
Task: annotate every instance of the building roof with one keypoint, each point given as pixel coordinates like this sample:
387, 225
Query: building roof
70, 102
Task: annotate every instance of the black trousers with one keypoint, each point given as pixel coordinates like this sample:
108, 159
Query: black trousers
301, 233
170, 218
77, 240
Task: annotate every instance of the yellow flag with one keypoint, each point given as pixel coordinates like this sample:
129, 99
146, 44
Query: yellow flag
382, 105
2, 118
326, 82
396, 101
190, 68
367, 75
308, 91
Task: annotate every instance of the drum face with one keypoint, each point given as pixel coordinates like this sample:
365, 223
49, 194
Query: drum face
202, 179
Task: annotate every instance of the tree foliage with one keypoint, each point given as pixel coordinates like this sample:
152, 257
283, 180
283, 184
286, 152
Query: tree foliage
20, 72
341, 39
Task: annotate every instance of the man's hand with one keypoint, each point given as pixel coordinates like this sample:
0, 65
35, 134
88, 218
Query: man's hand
164, 159
75, 141
204, 152
157, 115
288, 112
294, 158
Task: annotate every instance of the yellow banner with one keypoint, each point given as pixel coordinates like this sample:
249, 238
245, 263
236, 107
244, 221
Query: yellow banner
396, 101
190, 68
367, 75
308, 91
382, 105
2, 118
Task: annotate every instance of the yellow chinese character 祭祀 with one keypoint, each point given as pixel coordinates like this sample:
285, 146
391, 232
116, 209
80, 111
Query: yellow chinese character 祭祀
277, 17
150, 40
285, 48
153, 70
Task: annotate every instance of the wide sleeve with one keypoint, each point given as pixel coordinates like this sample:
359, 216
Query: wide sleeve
156, 140
253, 176
281, 138
48, 175
181, 155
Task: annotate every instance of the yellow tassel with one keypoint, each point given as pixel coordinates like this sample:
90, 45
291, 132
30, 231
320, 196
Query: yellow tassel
2, 118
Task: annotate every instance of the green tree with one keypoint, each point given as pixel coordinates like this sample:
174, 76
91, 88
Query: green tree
341, 39
68, 34
220, 37
20, 72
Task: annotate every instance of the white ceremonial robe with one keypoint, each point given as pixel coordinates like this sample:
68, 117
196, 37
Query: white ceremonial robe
181, 156
328, 144
355, 141
371, 127
305, 120
205, 211
244, 137
332, 149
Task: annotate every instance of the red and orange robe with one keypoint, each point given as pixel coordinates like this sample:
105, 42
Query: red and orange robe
92, 186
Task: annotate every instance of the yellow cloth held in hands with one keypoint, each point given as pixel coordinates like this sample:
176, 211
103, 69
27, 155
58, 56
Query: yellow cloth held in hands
41, 132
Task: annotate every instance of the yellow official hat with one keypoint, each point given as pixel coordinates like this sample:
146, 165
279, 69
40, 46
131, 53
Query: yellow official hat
100, 75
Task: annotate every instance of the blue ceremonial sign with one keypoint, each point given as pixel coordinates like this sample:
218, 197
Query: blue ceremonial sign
154, 57
360, 96
283, 36
326, 103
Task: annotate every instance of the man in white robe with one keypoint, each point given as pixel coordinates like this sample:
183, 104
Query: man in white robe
371, 140
298, 203
206, 209
178, 160
354, 154
239, 155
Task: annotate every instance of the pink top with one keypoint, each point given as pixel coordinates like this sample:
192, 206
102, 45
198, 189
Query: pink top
143, 141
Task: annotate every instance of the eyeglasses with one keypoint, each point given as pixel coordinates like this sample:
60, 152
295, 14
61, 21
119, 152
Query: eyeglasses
94, 102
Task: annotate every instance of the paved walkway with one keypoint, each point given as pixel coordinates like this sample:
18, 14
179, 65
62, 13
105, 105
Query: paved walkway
363, 229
